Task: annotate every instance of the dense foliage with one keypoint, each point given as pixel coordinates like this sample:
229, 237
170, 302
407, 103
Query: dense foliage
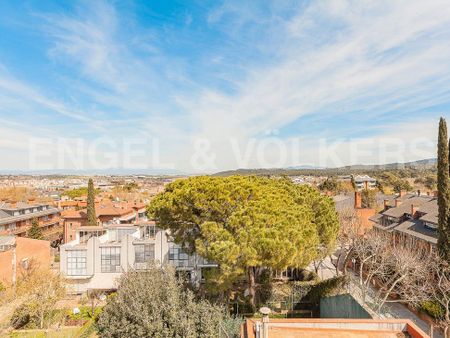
247, 223
154, 303
41, 290
368, 198
78, 192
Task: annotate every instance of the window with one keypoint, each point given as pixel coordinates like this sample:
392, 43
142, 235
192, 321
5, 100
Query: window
177, 254
431, 226
150, 231
122, 232
76, 262
144, 253
110, 259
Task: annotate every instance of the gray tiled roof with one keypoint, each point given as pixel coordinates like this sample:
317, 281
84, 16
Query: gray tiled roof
417, 229
9, 219
405, 205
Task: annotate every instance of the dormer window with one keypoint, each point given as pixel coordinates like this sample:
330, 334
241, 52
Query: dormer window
431, 226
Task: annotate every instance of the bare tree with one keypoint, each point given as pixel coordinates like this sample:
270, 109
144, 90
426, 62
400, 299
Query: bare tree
434, 287
370, 256
405, 265
350, 229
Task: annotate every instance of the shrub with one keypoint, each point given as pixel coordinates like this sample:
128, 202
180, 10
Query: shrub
154, 303
231, 326
434, 309
21, 317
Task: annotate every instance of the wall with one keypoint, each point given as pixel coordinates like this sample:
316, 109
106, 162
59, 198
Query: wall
342, 306
364, 215
95, 278
26, 248
70, 230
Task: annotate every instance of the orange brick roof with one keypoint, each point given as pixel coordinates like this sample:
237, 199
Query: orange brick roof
338, 328
100, 210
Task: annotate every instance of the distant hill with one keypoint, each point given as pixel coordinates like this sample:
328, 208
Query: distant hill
99, 172
309, 170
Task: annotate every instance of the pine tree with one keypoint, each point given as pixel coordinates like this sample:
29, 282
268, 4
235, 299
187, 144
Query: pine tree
35, 232
443, 190
91, 217
248, 224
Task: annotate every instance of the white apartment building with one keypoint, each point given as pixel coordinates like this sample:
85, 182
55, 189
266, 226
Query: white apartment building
98, 256
363, 182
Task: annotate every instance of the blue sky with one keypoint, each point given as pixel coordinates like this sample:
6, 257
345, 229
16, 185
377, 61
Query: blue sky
208, 85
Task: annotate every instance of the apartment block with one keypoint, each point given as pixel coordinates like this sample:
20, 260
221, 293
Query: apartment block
98, 256
16, 219
410, 217
363, 182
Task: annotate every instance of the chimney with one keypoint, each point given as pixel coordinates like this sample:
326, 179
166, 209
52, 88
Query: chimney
418, 192
13, 204
357, 200
397, 202
402, 193
428, 193
413, 210
385, 204
435, 193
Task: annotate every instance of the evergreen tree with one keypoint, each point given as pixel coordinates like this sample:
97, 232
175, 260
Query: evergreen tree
443, 190
248, 224
91, 217
35, 232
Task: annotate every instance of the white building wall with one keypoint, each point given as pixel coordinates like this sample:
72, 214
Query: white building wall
96, 279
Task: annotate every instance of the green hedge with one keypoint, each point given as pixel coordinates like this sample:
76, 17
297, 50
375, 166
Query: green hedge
432, 308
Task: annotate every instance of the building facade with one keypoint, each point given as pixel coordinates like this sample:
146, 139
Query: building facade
410, 217
364, 182
98, 256
16, 219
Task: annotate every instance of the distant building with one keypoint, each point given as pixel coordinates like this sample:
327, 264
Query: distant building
98, 256
16, 219
410, 217
17, 253
363, 182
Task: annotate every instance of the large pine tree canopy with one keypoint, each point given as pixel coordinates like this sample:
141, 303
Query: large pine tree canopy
242, 222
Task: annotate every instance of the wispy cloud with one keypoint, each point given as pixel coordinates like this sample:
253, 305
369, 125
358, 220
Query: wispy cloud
341, 64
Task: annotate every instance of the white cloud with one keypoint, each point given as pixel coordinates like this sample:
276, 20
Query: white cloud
331, 59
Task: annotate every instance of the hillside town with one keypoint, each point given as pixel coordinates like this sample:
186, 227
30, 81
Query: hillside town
90, 232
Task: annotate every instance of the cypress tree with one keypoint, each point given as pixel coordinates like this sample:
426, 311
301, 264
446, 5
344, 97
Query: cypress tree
35, 232
91, 217
443, 190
